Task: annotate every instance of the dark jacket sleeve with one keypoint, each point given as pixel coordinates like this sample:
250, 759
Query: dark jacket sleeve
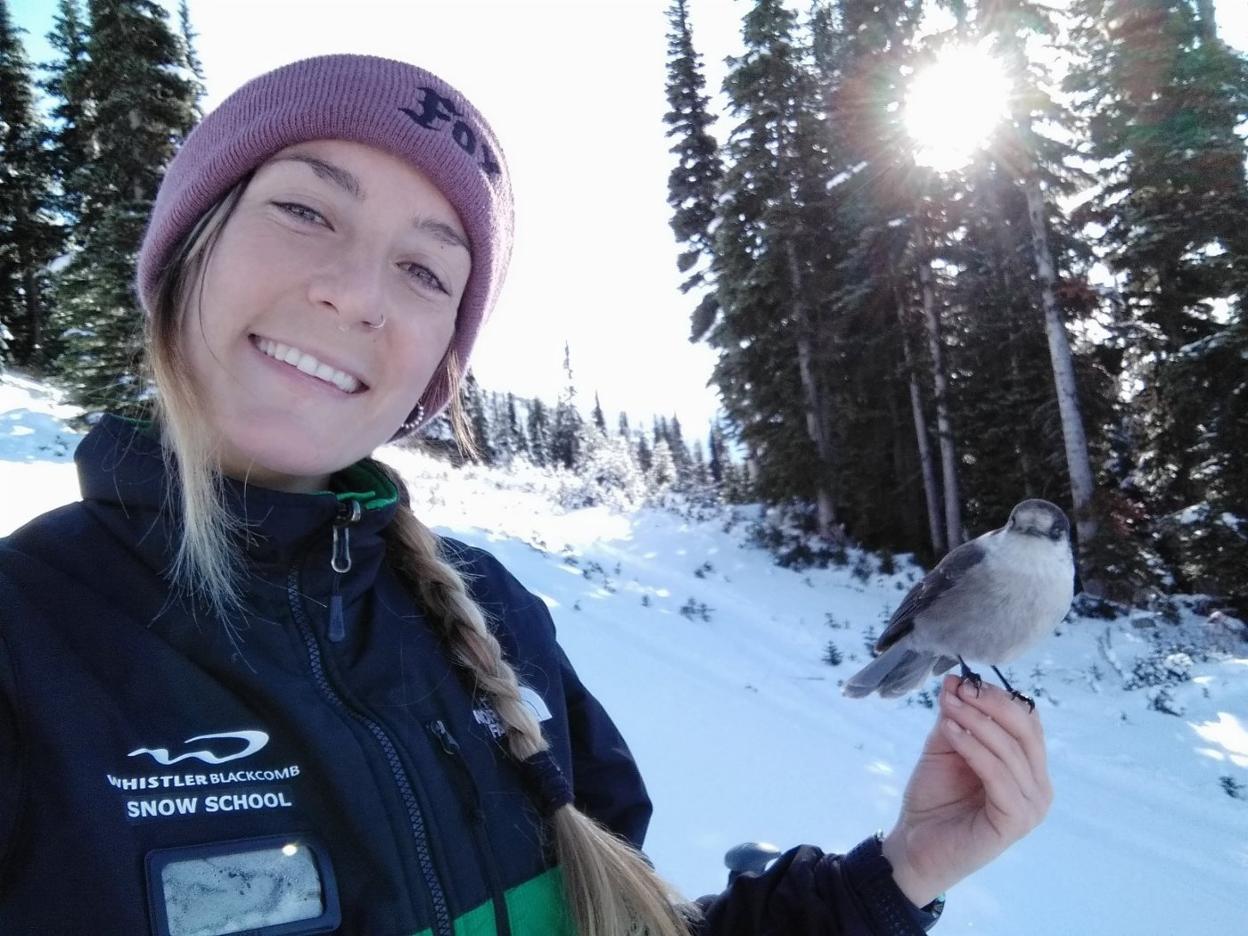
11, 780
808, 893
605, 778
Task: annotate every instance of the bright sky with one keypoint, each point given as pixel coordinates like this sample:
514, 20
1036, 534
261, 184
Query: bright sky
575, 90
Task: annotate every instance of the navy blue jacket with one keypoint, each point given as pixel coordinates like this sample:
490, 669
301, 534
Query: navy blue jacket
329, 768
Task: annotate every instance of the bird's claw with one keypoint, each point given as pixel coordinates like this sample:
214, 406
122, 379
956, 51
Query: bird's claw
1031, 705
974, 679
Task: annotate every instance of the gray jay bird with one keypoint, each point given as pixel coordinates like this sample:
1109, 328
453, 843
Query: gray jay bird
990, 599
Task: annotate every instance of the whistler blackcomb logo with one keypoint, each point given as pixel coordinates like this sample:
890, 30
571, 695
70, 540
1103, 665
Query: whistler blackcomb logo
158, 792
437, 112
252, 743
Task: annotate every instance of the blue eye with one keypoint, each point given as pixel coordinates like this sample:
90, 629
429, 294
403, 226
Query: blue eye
415, 270
302, 212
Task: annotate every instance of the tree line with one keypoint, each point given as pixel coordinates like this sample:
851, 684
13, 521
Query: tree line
903, 353
907, 352
635, 461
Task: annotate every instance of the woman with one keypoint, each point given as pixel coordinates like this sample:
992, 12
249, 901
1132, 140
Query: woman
243, 687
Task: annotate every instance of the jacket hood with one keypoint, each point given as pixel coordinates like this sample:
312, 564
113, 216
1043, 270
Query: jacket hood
122, 475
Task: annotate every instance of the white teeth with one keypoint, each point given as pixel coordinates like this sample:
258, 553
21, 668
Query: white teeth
308, 364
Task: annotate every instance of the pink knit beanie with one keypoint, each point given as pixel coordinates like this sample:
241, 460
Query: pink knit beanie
391, 105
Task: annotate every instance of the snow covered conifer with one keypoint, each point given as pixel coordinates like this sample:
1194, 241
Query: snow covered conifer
539, 433
141, 106
28, 238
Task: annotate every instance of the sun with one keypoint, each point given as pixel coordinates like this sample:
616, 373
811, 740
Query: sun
954, 104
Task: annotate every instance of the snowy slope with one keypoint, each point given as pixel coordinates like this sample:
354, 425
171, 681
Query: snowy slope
741, 730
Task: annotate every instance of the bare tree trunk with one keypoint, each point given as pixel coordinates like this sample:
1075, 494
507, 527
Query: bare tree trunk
1078, 465
1001, 267
816, 424
931, 491
944, 428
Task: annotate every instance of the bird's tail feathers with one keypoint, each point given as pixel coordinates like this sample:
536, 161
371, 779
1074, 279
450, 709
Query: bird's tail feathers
896, 671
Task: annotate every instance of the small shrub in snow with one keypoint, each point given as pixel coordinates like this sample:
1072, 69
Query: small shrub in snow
1088, 606
645, 601
923, 698
832, 654
888, 565
868, 640
834, 622
1233, 788
787, 531
862, 569
1162, 667
1164, 703
695, 609
702, 570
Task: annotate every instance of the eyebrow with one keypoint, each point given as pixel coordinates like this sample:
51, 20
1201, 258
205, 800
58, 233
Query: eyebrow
351, 185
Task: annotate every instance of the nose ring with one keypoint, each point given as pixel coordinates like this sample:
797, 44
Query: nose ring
343, 328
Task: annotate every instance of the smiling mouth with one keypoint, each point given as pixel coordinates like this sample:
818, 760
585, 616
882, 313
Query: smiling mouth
308, 365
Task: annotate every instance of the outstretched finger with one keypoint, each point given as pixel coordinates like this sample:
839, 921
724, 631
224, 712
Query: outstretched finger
1022, 724
995, 737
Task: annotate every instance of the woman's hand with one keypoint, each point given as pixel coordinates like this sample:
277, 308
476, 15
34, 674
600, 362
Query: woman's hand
980, 785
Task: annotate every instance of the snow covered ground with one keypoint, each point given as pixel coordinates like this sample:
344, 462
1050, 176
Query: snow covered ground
741, 731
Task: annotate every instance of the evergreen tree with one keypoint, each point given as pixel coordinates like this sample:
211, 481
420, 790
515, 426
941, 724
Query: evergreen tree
566, 433
189, 54
887, 292
698, 473
69, 136
774, 236
515, 433
645, 457
1163, 99
28, 238
624, 424
1015, 26
539, 434
693, 182
473, 400
718, 453
599, 419
662, 472
609, 470
141, 108
680, 451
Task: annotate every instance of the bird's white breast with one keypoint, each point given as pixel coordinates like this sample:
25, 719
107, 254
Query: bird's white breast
1015, 596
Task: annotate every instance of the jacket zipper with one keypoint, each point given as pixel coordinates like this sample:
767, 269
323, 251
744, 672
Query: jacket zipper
470, 797
349, 512
442, 916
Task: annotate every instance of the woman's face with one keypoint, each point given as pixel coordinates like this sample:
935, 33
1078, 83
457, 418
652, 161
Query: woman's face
327, 239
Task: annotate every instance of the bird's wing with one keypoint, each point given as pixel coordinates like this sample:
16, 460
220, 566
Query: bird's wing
934, 584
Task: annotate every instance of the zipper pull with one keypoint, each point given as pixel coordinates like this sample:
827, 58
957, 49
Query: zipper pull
468, 785
340, 562
442, 733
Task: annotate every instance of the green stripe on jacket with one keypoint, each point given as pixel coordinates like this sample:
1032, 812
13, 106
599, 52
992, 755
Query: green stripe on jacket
536, 908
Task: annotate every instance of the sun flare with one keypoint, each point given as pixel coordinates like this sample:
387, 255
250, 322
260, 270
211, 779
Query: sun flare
954, 104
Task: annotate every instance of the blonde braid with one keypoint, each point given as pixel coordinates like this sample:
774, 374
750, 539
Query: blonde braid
610, 888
